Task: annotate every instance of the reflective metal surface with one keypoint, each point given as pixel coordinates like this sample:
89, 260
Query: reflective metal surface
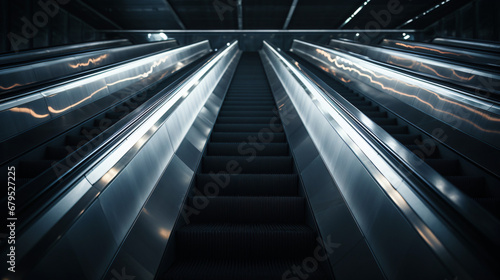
39, 54
324, 196
472, 116
400, 227
64, 98
462, 75
478, 45
17, 78
451, 53
133, 184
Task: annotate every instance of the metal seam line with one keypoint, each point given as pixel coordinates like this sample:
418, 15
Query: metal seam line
174, 14
290, 14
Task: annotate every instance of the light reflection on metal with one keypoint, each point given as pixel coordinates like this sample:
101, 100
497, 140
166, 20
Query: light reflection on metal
415, 64
11, 87
145, 74
339, 62
55, 111
28, 111
90, 60
430, 49
164, 233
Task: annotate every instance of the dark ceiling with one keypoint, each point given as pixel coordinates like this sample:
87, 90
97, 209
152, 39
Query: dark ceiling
258, 14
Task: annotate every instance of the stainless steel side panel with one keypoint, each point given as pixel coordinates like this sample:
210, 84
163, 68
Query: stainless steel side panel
475, 117
444, 51
436, 69
351, 182
142, 189
67, 97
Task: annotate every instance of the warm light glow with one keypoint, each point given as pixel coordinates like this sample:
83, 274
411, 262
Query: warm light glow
372, 74
52, 110
429, 49
164, 233
91, 60
12, 86
28, 111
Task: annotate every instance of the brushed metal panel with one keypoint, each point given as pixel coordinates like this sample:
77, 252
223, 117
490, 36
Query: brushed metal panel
145, 244
60, 263
357, 265
91, 237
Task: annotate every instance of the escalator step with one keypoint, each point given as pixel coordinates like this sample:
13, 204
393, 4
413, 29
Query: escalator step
375, 114
360, 103
247, 165
368, 108
408, 139
247, 114
264, 137
248, 103
446, 167
248, 184
248, 120
247, 128
424, 151
248, 209
243, 98
249, 108
395, 129
244, 241
229, 269
247, 149
385, 121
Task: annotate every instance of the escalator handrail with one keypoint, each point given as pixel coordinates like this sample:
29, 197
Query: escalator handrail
49, 52
394, 154
463, 71
119, 55
87, 169
44, 96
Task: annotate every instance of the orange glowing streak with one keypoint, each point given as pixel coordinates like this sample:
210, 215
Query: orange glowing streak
344, 80
454, 73
28, 111
52, 110
143, 75
396, 58
11, 87
350, 69
430, 49
91, 60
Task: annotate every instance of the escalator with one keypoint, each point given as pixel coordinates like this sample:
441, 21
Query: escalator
426, 148
67, 144
247, 217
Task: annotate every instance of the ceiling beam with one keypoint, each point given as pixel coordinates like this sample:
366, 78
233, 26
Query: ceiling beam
301, 31
94, 11
175, 16
290, 14
240, 15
